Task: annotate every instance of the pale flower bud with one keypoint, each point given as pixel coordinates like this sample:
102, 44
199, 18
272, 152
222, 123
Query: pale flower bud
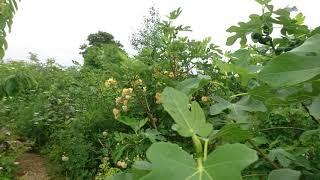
204, 98
130, 90
125, 102
116, 113
110, 82
138, 82
125, 108
144, 89
117, 101
127, 97
158, 98
122, 164
171, 74
126, 91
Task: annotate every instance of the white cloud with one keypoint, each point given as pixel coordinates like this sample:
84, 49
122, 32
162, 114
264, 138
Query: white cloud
57, 28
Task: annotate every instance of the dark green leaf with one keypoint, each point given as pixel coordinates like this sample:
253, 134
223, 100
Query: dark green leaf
284, 174
294, 67
232, 133
190, 86
314, 108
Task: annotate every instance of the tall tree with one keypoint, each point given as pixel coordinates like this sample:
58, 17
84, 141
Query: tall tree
102, 51
149, 33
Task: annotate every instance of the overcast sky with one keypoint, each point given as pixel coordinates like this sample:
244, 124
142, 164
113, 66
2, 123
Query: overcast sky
56, 28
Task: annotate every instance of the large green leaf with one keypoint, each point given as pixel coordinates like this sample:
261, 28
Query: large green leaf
232, 133
286, 95
284, 174
283, 157
189, 120
191, 85
294, 67
237, 110
170, 162
315, 108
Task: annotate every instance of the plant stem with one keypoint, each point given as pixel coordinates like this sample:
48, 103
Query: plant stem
241, 94
145, 105
199, 162
274, 165
205, 153
197, 146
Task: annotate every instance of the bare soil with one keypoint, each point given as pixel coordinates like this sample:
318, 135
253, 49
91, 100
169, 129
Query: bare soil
32, 167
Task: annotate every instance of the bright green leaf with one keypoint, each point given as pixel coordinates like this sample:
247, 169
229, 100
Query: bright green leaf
135, 124
170, 162
189, 120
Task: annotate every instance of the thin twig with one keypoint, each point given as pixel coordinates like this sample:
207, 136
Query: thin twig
274, 128
274, 165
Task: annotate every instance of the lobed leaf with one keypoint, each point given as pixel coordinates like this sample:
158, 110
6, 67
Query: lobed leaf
189, 120
170, 162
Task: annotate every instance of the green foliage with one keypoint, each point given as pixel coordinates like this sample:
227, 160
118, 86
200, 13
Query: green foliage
237, 110
314, 108
231, 133
102, 51
297, 66
7, 11
149, 34
247, 114
106, 57
135, 124
16, 83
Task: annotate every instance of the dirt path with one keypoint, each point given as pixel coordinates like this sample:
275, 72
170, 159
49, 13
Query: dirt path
32, 167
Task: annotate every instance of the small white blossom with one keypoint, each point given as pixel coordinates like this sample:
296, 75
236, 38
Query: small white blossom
64, 158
